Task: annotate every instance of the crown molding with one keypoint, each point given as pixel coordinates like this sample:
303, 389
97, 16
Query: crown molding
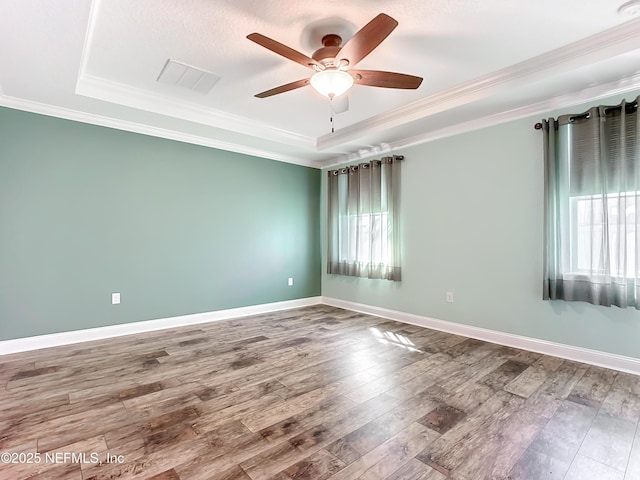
589, 94
121, 94
592, 93
615, 41
88, 37
100, 120
115, 92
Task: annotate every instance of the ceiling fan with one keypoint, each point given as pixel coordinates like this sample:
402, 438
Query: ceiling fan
333, 63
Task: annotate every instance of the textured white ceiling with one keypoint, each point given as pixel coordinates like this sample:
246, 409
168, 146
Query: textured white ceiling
99, 62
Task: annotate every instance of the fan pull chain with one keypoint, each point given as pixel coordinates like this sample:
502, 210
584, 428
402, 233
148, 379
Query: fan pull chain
331, 114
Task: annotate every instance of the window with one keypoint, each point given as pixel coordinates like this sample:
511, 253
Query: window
592, 195
596, 221
363, 220
363, 227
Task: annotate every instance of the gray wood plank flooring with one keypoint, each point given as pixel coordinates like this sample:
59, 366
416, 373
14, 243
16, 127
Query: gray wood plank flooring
315, 393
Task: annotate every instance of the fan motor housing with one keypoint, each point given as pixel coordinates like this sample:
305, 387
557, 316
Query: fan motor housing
331, 46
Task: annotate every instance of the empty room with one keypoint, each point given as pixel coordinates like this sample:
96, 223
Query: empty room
246, 240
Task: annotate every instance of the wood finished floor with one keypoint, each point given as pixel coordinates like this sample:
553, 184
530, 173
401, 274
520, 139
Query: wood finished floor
314, 393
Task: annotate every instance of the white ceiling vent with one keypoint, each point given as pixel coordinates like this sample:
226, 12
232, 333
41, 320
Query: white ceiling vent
176, 73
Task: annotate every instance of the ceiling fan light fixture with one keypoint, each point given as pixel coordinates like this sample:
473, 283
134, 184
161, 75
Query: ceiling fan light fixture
629, 9
331, 82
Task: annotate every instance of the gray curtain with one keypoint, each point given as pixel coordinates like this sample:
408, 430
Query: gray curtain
363, 220
592, 200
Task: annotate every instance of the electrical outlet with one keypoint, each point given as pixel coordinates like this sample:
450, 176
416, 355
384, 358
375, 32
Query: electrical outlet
449, 297
290, 281
115, 298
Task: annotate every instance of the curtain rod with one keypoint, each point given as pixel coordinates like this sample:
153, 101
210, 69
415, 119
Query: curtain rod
630, 106
345, 169
394, 157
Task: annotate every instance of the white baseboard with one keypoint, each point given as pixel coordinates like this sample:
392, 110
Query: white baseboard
584, 355
101, 333
578, 354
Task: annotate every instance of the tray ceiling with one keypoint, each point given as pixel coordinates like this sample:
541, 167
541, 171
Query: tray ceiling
482, 63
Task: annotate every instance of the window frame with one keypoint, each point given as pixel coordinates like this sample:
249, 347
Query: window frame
571, 266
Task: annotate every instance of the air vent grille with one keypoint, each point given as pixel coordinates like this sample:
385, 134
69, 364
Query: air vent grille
176, 73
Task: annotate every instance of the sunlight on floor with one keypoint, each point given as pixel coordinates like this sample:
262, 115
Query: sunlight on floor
390, 338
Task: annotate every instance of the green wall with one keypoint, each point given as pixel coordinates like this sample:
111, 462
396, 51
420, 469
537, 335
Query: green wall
175, 228
180, 229
472, 222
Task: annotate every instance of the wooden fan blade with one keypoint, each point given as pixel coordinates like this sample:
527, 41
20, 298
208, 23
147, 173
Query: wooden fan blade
378, 78
284, 88
283, 50
367, 38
